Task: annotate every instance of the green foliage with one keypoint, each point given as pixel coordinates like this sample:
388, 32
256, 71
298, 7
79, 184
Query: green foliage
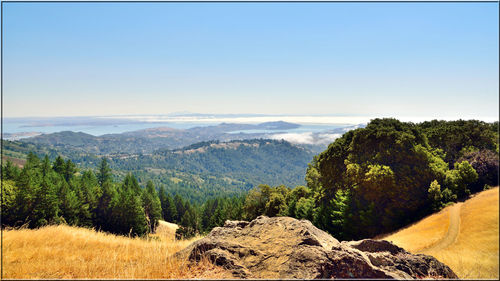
198, 172
305, 209
486, 164
152, 206
435, 195
448, 197
169, 211
104, 172
105, 204
458, 137
339, 212
9, 191
369, 181
386, 169
388, 174
128, 214
458, 179
10, 171
189, 223
266, 200
276, 206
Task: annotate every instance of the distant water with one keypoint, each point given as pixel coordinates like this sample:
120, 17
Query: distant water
119, 124
304, 128
98, 126
96, 130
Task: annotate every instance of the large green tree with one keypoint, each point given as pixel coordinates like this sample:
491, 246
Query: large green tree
382, 171
152, 206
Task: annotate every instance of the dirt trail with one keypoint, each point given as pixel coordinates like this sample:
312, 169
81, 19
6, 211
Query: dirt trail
453, 230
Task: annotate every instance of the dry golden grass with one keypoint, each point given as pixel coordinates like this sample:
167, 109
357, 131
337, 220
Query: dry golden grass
475, 252
165, 231
433, 228
62, 251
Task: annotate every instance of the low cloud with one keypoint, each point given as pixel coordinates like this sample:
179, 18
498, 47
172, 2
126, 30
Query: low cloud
307, 137
301, 138
327, 138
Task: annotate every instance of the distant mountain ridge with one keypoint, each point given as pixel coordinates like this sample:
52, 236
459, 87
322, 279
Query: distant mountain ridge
148, 140
198, 171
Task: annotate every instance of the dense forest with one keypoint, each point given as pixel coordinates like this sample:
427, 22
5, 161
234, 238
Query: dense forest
370, 181
200, 171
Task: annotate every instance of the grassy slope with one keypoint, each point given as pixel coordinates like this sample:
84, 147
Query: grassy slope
475, 251
68, 252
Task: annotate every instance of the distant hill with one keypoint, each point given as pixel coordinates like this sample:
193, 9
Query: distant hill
149, 140
219, 168
198, 171
463, 236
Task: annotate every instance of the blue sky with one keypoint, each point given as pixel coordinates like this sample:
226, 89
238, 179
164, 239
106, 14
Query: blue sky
430, 60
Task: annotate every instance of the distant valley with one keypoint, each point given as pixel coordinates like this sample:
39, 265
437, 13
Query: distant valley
148, 140
198, 163
197, 172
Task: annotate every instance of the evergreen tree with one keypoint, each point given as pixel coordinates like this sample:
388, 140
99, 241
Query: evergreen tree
163, 200
152, 206
88, 195
69, 170
9, 191
104, 172
59, 166
130, 182
10, 171
69, 204
170, 211
128, 213
105, 204
180, 208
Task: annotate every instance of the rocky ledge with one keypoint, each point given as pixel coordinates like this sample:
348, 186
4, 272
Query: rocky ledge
285, 248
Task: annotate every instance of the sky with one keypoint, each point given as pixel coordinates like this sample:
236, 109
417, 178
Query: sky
430, 60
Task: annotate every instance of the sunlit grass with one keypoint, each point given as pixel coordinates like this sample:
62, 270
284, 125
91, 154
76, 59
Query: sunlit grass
69, 252
475, 253
423, 233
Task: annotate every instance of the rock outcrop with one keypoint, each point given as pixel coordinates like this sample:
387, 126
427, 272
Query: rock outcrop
283, 247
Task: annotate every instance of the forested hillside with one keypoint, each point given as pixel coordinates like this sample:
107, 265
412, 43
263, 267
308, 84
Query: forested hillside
370, 181
203, 170
148, 140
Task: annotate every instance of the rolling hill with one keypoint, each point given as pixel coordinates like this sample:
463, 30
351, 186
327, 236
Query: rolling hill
149, 140
464, 236
199, 171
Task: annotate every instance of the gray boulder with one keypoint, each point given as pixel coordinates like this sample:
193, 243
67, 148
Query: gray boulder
285, 248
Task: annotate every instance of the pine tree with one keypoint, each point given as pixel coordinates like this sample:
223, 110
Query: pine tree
128, 213
170, 209
105, 204
69, 170
69, 204
88, 194
163, 200
10, 172
152, 206
180, 207
130, 182
104, 173
59, 166
9, 191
